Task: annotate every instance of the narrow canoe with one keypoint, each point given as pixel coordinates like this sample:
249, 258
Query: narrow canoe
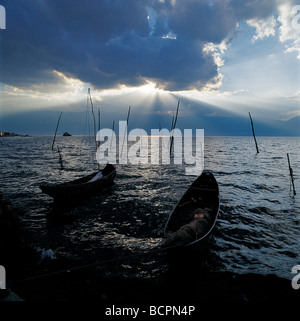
83, 187
195, 215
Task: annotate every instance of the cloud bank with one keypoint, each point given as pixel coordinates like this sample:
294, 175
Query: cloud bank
175, 44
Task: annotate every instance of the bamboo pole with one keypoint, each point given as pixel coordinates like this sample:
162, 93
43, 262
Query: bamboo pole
173, 126
95, 134
170, 141
89, 93
176, 114
113, 129
253, 133
98, 144
113, 126
291, 174
125, 129
60, 159
98, 119
128, 115
56, 130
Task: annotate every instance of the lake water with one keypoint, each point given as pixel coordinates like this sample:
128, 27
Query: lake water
257, 230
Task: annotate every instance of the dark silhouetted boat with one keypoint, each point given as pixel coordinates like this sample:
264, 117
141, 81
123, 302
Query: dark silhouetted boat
81, 188
86, 186
66, 134
194, 217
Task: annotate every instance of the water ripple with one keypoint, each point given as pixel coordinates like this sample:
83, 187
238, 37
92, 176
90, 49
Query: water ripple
257, 230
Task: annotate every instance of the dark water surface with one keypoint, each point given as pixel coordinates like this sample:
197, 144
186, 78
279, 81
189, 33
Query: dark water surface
257, 231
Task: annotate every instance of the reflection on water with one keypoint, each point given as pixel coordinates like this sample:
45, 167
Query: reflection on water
257, 230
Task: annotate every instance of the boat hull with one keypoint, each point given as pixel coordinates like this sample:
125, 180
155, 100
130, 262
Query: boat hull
202, 196
81, 188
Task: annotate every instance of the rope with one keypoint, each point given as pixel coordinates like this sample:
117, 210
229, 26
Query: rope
76, 268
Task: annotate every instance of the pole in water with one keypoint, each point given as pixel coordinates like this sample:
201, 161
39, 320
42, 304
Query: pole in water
291, 174
98, 119
113, 129
56, 130
125, 129
253, 133
60, 159
174, 121
95, 134
89, 93
98, 144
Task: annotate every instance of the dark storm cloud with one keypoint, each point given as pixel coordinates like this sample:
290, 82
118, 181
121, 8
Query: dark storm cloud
111, 42
200, 20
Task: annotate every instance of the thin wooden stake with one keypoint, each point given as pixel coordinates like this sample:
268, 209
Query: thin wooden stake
60, 159
174, 125
128, 115
113, 129
98, 119
170, 142
56, 130
98, 143
176, 114
291, 174
89, 93
125, 129
253, 133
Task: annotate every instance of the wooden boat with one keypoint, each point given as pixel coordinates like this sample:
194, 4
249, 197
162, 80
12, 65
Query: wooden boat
83, 187
194, 217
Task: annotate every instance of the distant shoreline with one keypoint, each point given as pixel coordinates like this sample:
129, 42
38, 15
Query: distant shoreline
8, 134
82, 135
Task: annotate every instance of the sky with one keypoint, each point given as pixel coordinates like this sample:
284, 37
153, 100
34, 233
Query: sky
220, 58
